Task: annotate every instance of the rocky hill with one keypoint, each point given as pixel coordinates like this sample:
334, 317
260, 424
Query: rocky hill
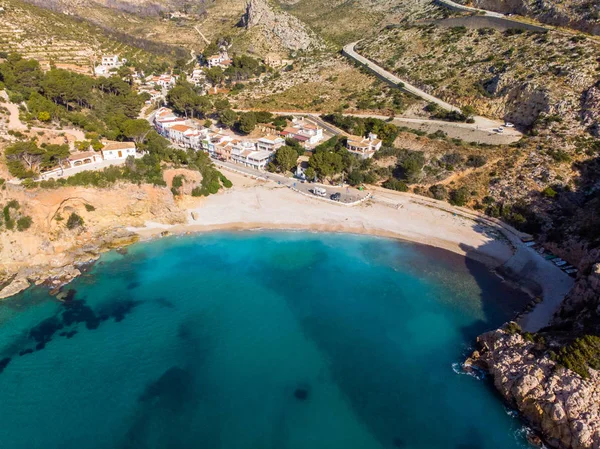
582, 15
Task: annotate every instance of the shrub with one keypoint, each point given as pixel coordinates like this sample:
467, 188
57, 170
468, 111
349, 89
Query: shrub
549, 192
89, 207
24, 223
394, 184
439, 192
476, 161
226, 182
74, 221
459, 197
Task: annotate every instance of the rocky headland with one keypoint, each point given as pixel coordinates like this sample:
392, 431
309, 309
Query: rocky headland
50, 252
557, 402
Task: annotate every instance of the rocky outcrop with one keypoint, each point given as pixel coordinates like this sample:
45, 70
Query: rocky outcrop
590, 110
281, 26
49, 251
563, 407
583, 15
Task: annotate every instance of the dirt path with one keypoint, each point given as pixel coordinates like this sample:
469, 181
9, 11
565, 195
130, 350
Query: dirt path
15, 123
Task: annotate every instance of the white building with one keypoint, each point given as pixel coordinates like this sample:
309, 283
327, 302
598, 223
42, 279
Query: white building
118, 150
109, 63
221, 60
270, 143
304, 132
112, 61
88, 157
250, 158
364, 147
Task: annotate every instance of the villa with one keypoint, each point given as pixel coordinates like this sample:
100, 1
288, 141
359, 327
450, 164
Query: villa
303, 131
118, 150
364, 147
88, 157
221, 60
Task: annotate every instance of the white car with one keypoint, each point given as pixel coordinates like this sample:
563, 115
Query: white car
509, 125
499, 130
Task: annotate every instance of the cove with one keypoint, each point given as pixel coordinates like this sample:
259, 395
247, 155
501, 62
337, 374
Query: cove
257, 340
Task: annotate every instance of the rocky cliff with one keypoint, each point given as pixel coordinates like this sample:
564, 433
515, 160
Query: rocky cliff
558, 403
49, 249
281, 27
583, 15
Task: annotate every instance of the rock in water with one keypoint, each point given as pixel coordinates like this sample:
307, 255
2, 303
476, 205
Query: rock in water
301, 394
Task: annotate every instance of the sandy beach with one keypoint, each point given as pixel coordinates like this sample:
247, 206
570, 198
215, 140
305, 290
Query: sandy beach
253, 204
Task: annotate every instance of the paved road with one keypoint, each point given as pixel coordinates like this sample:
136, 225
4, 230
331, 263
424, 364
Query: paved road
457, 6
348, 194
349, 50
480, 122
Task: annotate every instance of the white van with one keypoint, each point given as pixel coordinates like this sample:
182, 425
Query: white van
319, 191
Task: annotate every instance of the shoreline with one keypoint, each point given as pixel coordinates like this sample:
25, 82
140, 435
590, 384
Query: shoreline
148, 234
264, 205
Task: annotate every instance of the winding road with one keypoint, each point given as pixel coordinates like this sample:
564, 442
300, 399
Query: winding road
458, 7
481, 123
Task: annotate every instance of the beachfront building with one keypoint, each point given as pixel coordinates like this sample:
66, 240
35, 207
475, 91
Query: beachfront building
270, 143
118, 150
88, 157
364, 147
251, 158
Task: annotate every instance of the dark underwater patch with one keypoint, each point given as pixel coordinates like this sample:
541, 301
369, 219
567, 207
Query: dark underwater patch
4, 363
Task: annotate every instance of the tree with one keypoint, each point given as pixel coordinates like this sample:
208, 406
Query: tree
26, 152
356, 178
55, 155
468, 111
411, 164
286, 158
228, 118
247, 122
326, 163
137, 130
215, 75
74, 221
310, 173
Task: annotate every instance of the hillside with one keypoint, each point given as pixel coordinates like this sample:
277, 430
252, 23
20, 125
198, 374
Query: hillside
512, 74
68, 41
582, 15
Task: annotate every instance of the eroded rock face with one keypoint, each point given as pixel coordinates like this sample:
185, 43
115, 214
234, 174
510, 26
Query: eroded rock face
590, 111
578, 14
279, 25
49, 250
560, 404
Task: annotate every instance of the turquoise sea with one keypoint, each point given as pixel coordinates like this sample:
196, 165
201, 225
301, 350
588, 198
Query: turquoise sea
265, 340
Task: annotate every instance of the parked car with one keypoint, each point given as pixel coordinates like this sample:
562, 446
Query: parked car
336, 196
509, 125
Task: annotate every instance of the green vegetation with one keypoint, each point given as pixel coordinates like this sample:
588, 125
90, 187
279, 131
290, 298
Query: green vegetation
580, 355
74, 221
24, 223
387, 132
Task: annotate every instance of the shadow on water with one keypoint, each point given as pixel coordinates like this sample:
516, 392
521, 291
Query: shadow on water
501, 301
363, 363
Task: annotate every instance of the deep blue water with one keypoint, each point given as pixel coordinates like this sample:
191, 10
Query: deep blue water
256, 341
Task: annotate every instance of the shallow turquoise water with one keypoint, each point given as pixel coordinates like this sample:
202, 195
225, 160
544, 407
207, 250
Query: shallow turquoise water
256, 341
